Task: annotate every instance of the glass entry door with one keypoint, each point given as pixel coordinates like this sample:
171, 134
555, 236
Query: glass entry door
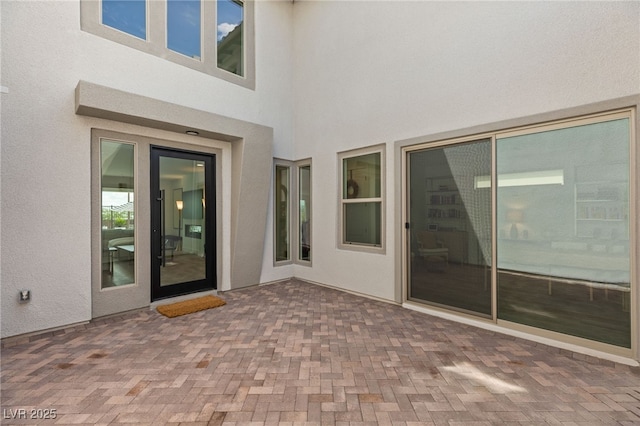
183, 254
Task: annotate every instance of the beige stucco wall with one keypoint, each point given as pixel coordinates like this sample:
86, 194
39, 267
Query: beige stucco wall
46, 165
331, 76
380, 72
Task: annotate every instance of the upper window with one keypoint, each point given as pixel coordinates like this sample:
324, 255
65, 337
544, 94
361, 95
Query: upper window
183, 27
214, 37
361, 199
129, 16
230, 37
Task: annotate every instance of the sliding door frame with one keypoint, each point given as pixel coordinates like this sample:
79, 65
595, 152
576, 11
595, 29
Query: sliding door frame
590, 114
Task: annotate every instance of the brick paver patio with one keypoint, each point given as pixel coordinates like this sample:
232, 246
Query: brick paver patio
295, 353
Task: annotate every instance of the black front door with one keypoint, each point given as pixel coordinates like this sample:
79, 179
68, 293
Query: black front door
183, 237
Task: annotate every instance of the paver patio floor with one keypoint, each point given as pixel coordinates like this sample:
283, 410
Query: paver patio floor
296, 353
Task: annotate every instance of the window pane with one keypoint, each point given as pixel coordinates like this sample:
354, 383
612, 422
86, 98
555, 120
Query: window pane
184, 231
361, 176
304, 213
450, 221
362, 223
129, 16
563, 231
281, 213
183, 27
118, 208
230, 36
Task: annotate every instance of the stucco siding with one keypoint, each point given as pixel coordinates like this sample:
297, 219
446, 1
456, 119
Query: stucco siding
46, 168
380, 72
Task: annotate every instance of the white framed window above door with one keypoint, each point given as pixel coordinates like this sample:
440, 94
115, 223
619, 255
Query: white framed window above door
214, 37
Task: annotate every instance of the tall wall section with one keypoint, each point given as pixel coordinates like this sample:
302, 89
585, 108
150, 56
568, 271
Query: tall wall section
46, 161
376, 72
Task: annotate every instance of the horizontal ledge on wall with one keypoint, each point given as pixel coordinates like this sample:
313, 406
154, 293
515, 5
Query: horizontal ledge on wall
484, 130
252, 151
94, 100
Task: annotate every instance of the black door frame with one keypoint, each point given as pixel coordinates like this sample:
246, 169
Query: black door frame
210, 280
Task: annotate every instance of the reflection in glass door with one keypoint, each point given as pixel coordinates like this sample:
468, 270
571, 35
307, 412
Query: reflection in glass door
117, 221
563, 227
450, 227
183, 218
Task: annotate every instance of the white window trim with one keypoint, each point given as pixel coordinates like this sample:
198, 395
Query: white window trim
573, 117
155, 44
367, 248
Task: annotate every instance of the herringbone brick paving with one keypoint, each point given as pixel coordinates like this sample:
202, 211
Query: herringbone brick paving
296, 353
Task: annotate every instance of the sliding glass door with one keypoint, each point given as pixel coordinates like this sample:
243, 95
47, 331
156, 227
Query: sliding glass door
450, 227
563, 229
552, 205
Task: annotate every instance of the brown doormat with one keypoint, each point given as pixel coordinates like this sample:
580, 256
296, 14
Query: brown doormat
190, 306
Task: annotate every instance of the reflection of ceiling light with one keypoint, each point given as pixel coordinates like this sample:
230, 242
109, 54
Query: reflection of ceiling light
192, 132
542, 177
199, 164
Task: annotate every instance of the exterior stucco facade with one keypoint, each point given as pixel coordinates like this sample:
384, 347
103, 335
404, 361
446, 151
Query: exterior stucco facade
329, 77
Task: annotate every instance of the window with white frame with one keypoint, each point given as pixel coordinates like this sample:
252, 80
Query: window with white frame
214, 37
362, 200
